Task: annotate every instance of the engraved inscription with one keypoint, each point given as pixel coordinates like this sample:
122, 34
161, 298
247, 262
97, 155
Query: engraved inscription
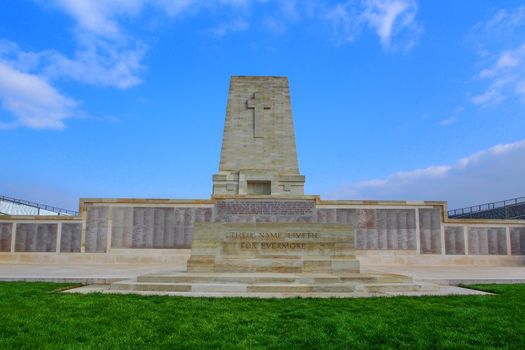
265, 207
273, 240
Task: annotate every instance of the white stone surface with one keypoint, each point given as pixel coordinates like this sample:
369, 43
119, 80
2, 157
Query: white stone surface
258, 146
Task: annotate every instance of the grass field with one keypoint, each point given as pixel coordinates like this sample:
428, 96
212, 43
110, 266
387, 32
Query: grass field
33, 315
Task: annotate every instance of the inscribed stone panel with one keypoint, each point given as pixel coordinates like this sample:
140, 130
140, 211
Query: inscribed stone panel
454, 240
382, 234
430, 231
183, 226
265, 211
487, 241
5, 236
96, 229
366, 218
203, 214
347, 216
396, 229
517, 238
122, 227
326, 216
142, 227
70, 238
363, 221
36, 237
164, 228
381, 229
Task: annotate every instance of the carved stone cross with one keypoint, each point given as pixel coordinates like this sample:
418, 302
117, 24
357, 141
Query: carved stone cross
258, 103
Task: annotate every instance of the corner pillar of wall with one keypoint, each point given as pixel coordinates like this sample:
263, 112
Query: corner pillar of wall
110, 229
465, 237
83, 234
59, 236
507, 236
418, 233
13, 237
442, 233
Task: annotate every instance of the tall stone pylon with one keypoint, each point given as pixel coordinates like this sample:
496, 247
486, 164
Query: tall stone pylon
258, 155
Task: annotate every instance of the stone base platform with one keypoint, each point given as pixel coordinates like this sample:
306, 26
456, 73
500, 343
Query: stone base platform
272, 284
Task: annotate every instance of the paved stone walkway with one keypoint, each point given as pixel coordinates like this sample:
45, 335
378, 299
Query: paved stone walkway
442, 291
455, 275
77, 273
104, 274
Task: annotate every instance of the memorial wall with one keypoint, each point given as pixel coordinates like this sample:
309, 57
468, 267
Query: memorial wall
110, 225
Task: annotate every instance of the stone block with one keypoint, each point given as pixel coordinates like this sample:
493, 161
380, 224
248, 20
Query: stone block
272, 247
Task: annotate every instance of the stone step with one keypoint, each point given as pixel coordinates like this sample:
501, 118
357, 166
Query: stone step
274, 287
180, 287
376, 278
247, 278
259, 265
251, 278
381, 288
151, 287
258, 283
291, 264
302, 288
397, 287
235, 287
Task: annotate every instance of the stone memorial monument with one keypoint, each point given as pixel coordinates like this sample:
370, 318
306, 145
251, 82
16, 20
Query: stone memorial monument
258, 155
264, 238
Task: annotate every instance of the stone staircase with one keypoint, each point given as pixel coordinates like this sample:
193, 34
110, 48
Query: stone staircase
273, 284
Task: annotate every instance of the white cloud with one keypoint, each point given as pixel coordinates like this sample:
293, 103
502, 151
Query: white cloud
493, 174
234, 26
452, 118
391, 17
290, 10
503, 65
100, 64
101, 17
98, 16
394, 21
345, 21
33, 101
104, 57
505, 22
107, 55
448, 121
275, 25
490, 97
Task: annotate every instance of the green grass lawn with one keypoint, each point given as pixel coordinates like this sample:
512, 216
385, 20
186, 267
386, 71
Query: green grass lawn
33, 315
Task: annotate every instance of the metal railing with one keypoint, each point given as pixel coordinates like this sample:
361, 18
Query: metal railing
501, 210
38, 206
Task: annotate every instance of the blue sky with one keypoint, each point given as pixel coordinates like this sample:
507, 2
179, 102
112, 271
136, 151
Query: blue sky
392, 99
